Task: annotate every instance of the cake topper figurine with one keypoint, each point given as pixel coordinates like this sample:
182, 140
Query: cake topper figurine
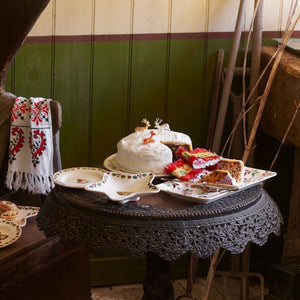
147, 124
150, 139
161, 127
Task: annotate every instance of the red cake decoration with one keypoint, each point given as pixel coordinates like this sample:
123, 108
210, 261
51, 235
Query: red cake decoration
184, 171
199, 158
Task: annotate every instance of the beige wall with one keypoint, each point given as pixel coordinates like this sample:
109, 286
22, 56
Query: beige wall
85, 17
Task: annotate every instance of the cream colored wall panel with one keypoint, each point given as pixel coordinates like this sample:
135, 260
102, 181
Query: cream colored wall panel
189, 15
43, 26
73, 17
112, 16
222, 15
150, 16
271, 16
249, 15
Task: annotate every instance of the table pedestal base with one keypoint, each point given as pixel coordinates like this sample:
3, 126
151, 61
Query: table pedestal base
157, 282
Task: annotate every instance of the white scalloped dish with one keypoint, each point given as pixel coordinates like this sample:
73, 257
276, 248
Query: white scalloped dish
123, 187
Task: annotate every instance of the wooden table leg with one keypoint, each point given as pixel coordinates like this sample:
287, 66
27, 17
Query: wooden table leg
211, 272
291, 247
157, 282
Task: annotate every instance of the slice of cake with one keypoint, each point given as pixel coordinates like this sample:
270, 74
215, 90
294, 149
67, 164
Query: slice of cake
234, 167
221, 178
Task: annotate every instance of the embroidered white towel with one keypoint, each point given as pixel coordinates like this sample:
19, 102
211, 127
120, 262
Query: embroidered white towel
30, 163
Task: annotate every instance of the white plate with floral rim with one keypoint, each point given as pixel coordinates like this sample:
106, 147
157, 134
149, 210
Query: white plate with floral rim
124, 187
204, 193
78, 177
9, 232
111, 164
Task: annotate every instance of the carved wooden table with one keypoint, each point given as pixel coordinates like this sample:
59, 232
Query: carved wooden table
161, 227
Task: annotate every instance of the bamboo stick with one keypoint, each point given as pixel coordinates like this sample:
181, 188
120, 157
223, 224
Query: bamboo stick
215, 98
262, 105
255, 67
229, 76
211, 273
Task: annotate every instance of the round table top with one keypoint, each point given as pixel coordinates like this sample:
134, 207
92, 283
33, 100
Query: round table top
160, 223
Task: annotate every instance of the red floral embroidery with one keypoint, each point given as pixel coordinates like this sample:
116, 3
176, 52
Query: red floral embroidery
16, 143
39, 111
37, 143
19, 109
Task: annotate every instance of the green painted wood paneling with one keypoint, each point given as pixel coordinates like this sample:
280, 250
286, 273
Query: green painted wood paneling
185, 90
110, 97
9, 80
72, 82
107, 88
33, 71
148, 82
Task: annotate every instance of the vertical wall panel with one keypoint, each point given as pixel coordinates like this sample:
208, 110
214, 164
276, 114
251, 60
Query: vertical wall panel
73, 80
110, 89
185, 77
187, 63
72, 89
73, 17
33, 71
110, 78
188, 16
222, 15
9, 81
112, 17
149, 62
148, 84
150, 16
272, 15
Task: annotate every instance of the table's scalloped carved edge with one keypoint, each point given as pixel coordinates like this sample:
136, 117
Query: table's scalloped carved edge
135, 233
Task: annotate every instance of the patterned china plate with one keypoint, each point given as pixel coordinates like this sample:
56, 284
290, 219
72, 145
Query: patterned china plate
205, 194
78, 177
9, 232
123, 187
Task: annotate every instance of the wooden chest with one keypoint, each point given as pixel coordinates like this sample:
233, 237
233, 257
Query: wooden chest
283, 98
36, 267
284, 281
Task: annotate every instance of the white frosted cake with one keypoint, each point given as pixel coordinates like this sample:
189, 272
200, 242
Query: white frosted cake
149, 150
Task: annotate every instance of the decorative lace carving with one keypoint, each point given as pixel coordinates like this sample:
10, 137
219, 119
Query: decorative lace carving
168, 237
